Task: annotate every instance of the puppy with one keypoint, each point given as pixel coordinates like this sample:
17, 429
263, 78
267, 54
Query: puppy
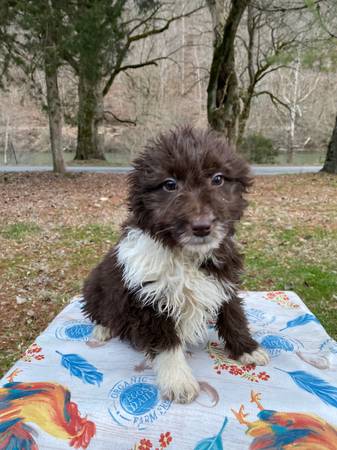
176, 265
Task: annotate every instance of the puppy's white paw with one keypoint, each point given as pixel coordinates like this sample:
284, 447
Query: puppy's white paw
259, 357
101, 333
183, 388
174, 376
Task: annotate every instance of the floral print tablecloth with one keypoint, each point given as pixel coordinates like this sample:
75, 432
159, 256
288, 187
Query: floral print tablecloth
69, 390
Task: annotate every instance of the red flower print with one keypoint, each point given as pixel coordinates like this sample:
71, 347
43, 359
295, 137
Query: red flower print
281, 298
235, 370
249, 367
165, 439
39, 357
145, 444
221, 363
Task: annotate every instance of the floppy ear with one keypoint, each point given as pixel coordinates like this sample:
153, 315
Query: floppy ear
242, 173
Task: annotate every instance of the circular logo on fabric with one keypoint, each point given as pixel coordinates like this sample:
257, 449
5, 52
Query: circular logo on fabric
75, 330
136, 402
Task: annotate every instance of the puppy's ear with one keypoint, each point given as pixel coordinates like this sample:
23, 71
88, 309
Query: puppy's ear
245, 178
239, 171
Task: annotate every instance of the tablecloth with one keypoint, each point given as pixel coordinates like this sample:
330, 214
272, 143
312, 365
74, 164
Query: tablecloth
69, 390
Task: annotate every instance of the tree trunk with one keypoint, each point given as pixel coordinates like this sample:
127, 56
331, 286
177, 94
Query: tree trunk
293, 113
53, 96
244, 114
223, 104
246, 97
330, 164
90, 117
55, 122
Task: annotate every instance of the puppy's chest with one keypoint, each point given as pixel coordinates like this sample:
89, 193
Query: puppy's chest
188, 295
172, 284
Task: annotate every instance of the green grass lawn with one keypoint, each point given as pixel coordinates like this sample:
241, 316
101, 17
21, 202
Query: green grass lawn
300, 260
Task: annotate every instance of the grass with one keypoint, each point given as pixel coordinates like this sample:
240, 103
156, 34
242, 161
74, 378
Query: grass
297, 259
289, 237
19, 231
48, 270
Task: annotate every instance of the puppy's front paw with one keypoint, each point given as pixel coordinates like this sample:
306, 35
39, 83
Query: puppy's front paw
259, 357
182, 388
174, 376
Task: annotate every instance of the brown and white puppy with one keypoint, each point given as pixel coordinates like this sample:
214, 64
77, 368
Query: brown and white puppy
176, 265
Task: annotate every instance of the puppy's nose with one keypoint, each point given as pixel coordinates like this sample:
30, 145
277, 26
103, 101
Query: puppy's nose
201, 226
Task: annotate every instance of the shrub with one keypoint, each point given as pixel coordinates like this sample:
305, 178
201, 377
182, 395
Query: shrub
258, 149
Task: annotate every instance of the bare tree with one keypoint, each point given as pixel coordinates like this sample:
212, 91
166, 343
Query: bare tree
266, 45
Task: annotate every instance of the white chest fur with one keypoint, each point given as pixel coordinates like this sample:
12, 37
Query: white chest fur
172, 282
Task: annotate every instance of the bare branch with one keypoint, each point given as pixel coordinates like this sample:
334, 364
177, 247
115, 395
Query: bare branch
266, 72
131, 122
131, 39
284, 9
325, 28
144, 21
154, 31
275, 100
151, 62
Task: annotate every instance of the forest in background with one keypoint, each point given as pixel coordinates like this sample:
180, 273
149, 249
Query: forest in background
151, 65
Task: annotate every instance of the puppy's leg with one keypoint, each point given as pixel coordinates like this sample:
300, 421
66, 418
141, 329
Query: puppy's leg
233, 328
101, 333
174, 376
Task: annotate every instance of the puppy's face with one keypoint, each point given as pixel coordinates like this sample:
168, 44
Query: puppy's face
186, 189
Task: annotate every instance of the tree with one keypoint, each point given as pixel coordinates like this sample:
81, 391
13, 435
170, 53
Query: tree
97, 40
223, 107
6, 39
29, 40
51, 65
330, 163
271, 41
268, 45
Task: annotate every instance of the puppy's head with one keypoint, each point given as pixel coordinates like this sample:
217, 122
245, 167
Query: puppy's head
186, 189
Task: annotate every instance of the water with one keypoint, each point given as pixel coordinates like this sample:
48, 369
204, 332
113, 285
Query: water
302, 159
122, 159
45, 158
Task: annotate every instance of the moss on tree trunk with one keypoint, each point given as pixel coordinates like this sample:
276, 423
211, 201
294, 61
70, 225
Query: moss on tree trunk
223, 106
90, 116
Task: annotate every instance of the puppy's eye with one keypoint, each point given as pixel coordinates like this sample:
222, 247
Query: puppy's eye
218, 179
170, 185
